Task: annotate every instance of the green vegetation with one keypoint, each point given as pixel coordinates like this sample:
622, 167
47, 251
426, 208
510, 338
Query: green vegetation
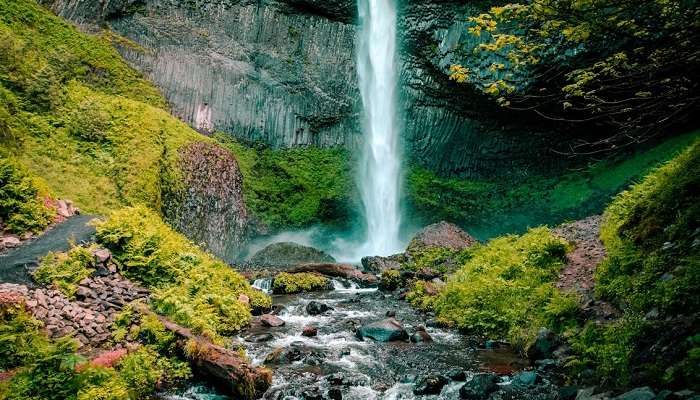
51, 369
514, 204
189, 286
390, 280
22, 208
505, 289
65, 270
651, 232
286, 283
294, 187
78, 117
625, 64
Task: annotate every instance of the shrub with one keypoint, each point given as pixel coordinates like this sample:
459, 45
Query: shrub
189, 286
20, 336
390, 279
143, 370
65, 270
21, 208
286, 283
423, 294
506, 288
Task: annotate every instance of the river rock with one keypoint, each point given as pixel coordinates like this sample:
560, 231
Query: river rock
479, 387
309, 331
525, 379
271, 320
641, 393
316, 308
441, 234
544, 346
259, 337
337, 270
297, 351
383, 331
457, 374
379, 264
420, 335
431, 384
287, 254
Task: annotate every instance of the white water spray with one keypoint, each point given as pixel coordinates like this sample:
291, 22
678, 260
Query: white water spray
379, 171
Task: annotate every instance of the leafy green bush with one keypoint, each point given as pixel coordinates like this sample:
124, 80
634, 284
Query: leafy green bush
143, 369
390, 279
20, 336
423, 295
439, 260
65, 270
21, 208
189, 286
286, 283
506, 288
294, 187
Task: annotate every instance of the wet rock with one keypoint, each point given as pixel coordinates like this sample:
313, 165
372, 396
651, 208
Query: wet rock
545, 345
642, 393
10, 241
316, 308
431, 384
335, 393
277, 309
336, 270
297, 351
287, 254
271, 320
590, 394
568, 392
383, 331
391, 314
479, 387
420, 335
309, 331
378, 264
441, 234
259, 338
457, 374
525, 379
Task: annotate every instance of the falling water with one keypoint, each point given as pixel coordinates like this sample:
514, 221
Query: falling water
379, 171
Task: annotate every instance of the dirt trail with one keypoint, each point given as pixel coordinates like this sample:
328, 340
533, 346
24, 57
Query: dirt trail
17, 263
578, 274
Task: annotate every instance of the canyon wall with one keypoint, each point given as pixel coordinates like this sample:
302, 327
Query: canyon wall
283, 73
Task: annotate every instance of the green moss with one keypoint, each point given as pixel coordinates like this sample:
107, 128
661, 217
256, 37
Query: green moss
438, 260
651, 232
495, 207
286, 283
505, 289
65, 270
189, 286
390, 279
22, 208
294, 187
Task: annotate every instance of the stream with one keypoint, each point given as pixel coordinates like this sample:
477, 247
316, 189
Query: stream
336, 365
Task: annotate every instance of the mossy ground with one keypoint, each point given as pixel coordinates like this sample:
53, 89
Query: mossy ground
491, 208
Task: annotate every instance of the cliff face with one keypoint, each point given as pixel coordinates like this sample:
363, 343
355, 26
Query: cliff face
283, 72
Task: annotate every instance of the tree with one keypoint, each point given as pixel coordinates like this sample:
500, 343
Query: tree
630, 65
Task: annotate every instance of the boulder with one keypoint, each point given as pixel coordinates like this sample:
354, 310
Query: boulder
420, 335
101, 255
271, 320
457, 374
295, 352
431, 384
641, 393
383, 331
316, 308
441, 234
379, 264
288, 254
259, 338
525, 379
309, 331
479, 387
544, 346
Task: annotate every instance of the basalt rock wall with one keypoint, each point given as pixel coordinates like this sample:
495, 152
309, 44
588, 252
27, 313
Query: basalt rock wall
283, 73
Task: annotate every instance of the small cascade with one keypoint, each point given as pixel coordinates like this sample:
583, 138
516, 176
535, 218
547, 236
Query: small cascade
264, 285
346, 286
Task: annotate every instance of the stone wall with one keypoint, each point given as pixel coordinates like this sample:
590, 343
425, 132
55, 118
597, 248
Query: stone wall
283, 72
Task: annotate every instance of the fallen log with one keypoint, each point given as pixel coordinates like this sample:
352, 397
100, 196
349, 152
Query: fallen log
337, 270
225, 368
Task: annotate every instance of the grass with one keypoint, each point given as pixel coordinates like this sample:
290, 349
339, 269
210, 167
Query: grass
651, 232
294, 188
512, 205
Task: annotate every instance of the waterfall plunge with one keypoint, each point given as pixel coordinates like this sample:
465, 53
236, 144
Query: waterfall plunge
379, 171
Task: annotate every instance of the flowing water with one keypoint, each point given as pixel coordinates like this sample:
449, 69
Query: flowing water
336, 364
379, 171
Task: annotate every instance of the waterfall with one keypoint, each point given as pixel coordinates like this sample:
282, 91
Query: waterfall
379, 170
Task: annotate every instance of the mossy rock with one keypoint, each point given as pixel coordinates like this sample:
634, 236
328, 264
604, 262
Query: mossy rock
287, 254
286, 283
